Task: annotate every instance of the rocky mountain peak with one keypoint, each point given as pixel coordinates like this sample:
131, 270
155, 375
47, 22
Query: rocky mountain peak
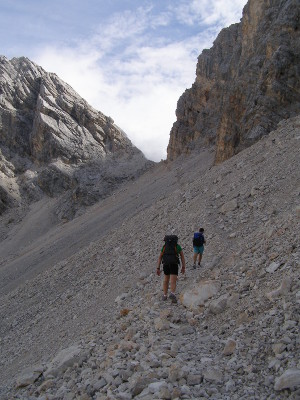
50, 137
245, 84
45, 118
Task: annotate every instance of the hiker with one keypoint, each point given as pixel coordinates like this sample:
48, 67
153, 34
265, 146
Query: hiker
169, 255
198, 244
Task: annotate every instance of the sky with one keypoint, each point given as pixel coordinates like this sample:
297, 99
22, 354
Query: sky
130, 59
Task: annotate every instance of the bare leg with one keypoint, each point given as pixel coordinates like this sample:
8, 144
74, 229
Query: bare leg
166, 284
195, 258
173, 283
200, 258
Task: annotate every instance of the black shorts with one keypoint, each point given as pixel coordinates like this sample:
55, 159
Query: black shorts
171, 269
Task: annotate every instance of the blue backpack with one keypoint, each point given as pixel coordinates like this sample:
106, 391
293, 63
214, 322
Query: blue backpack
198, 239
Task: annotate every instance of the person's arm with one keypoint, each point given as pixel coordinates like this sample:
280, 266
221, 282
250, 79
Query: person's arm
182, 262
158, 264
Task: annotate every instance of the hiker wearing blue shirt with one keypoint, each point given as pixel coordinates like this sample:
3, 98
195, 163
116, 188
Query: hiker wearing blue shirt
198, 244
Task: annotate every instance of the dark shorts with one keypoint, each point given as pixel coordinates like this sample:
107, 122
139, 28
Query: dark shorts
171, 269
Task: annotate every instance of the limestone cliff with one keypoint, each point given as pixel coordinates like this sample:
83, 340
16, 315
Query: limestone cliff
53, 142
245, 84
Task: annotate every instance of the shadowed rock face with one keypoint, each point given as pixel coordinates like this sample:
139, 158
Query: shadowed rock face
51, 139
245, 84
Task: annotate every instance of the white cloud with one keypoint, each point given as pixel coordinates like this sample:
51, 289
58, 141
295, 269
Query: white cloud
139, 94
210, 12
128, 73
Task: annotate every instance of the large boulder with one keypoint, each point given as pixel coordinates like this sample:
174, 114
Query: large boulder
197, 296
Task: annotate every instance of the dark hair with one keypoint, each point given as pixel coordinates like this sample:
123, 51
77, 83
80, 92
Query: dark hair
201, 230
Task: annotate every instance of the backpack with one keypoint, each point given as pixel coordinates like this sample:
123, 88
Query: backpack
170, 255
198, 239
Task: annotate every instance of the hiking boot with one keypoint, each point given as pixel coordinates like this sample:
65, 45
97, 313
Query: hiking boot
199, 264
194, 266
173, 298
164, 297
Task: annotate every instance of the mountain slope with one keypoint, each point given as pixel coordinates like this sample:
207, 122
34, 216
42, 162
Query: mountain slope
105, 299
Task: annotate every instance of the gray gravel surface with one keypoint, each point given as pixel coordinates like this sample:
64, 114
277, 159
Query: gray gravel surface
88, 287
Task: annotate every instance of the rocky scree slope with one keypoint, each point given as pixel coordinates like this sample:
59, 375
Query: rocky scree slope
245, 84
33, 243
94, 325
53, 143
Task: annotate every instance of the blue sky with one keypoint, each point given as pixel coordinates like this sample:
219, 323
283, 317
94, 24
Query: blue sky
129, 59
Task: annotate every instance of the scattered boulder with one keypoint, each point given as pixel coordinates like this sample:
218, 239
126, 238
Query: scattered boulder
29, 377
290, 379
229, 348
273, 267
198, 295
231, 205
213, 375
283, 289
64, 359
218, 306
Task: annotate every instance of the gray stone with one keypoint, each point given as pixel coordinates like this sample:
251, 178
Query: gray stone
283, 289
139, 384
99, 384
29, 377
290, 379
229, 348
157, 386
229, 206
218, 306
273, 267
194, 379
64, 359
213, 375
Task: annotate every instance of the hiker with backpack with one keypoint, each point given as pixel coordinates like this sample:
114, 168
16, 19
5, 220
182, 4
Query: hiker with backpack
169, 255
198, 245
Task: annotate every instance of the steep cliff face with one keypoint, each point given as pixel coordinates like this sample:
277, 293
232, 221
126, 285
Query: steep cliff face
52, 141
245, 84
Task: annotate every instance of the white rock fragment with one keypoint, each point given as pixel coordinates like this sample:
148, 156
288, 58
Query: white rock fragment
64, 359
229, 206
290, 379
281, 291
213, 375
273, 267
28, 377
195, 297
